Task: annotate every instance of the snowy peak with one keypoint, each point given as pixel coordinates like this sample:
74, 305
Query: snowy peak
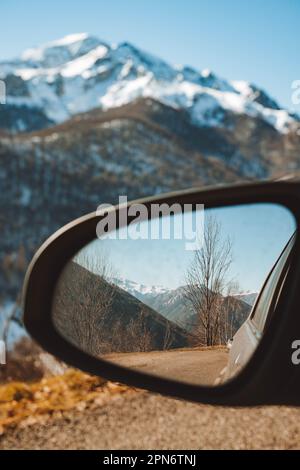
253, 93
61, 51
80, 72
135, 288
141, 290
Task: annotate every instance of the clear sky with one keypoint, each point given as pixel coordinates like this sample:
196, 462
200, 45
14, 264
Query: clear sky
258, 234
256, 40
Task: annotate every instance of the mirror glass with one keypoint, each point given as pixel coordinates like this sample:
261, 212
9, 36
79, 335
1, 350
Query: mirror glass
186, 296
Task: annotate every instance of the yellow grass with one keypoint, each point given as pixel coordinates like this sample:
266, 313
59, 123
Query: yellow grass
25, 402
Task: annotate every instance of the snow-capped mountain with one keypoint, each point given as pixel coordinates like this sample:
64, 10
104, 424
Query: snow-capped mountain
173, 303
136, 289
148, 128
169, 302
51, 83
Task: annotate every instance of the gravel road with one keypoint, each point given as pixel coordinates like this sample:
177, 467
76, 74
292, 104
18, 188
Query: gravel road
200, 366
145, 421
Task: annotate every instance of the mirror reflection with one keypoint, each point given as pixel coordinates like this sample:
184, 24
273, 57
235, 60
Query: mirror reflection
183, 309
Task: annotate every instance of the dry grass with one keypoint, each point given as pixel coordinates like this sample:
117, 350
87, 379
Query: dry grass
26, 403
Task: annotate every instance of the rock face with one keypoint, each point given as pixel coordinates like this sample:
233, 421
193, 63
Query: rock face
85, 122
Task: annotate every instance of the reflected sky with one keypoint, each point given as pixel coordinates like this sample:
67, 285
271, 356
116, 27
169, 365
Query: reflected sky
258, 233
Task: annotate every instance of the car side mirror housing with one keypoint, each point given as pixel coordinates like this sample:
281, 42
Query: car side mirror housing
192, 294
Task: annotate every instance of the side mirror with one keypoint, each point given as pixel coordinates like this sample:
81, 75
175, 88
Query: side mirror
192, 294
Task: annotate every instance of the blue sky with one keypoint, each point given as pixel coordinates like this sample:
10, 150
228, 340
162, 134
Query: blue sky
256, 41
258, 234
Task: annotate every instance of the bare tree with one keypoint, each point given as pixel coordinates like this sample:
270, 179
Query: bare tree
168, 339
138, 336
207, 282
97, 262
83, 303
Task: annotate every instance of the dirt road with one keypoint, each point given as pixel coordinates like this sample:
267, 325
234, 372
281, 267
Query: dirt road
198, 365
146, 421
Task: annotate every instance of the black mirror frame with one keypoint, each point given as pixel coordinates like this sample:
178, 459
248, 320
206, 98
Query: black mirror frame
269, 378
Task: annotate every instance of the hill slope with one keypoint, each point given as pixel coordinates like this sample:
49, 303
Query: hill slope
86, 122
99, 317
173, 304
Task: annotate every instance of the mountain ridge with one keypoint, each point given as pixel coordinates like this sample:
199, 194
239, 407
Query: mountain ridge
117, 321
173, 303
134, 287
62, 154
81, 72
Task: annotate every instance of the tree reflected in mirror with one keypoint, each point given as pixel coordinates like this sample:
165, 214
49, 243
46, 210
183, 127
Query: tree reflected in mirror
188, 315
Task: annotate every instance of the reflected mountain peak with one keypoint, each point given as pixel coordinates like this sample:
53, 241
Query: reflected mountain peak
134, 287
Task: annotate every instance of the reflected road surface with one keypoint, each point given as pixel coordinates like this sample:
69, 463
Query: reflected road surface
200, 366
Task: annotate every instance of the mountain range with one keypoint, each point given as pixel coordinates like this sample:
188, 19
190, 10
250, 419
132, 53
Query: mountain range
100, 318
86, 121
104, 316
173, 304
80, 72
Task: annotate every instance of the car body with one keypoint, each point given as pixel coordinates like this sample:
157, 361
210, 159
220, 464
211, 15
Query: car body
248, 336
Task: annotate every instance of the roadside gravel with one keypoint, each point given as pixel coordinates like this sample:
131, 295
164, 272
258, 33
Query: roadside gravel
145, 421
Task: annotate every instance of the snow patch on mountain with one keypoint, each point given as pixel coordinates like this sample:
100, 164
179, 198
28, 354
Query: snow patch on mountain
56, 53
134, 288
138, 290
80, 72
